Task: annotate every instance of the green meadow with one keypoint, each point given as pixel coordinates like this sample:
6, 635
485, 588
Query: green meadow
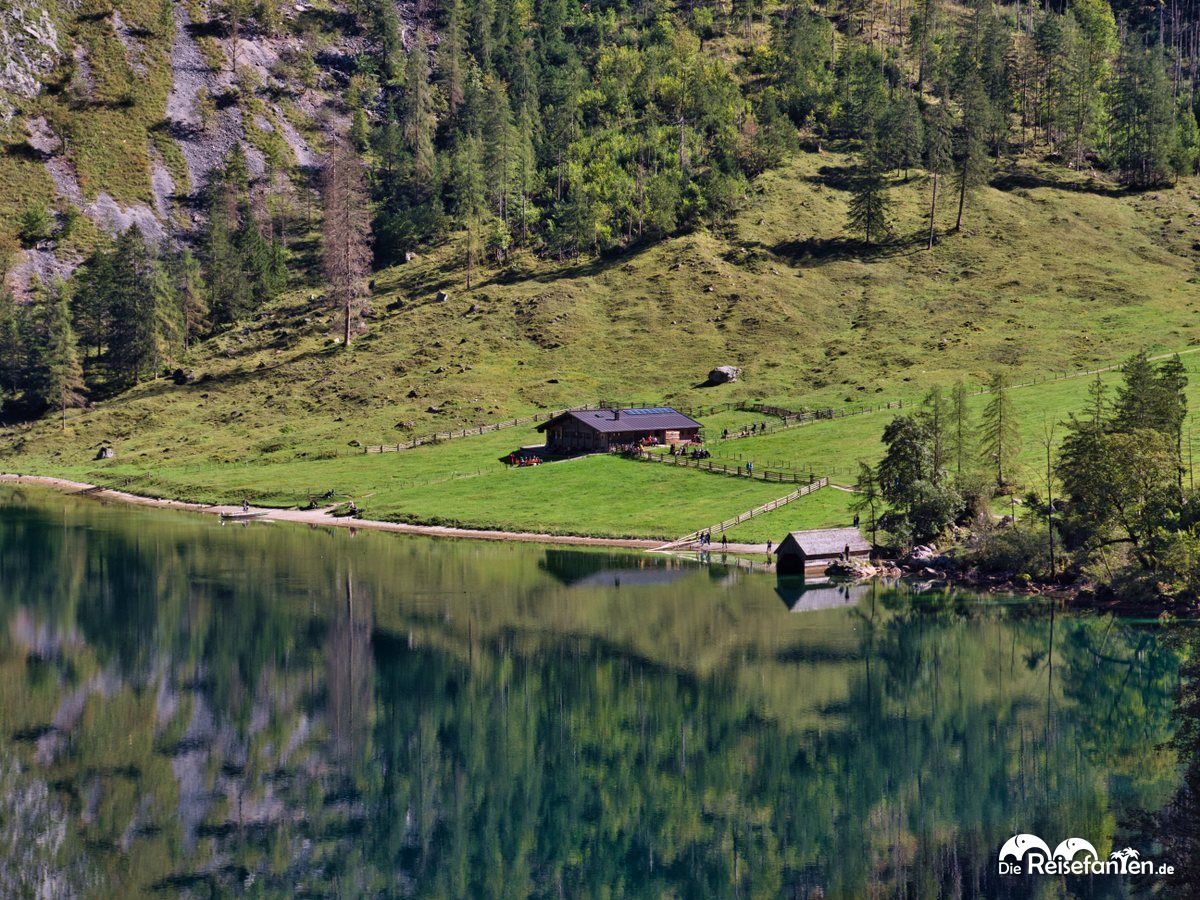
463, 482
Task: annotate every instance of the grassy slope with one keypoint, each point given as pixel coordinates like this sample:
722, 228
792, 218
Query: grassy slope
1043, 279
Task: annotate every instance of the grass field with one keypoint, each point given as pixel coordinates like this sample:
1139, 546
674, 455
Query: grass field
464, 482
279, 410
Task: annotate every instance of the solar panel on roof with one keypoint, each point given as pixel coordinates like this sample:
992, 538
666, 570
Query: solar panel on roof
656, 410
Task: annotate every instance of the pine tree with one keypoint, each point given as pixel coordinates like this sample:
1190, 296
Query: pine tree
142, 307
346, 236
902, 140
1000, 434
924, 31
1053, 45
1089, 73
973, 164
92, 299
230, 292
483, 21
869, 205
1146, 134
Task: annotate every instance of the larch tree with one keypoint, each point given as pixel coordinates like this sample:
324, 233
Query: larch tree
419, 119
498, 146
11, 348
191, 296
345, 236
450, 65
935, 412
867, 498
939, 157
1000, 435
468, 195
958, 443
56, 378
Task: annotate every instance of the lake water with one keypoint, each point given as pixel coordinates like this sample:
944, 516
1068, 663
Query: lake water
203, 709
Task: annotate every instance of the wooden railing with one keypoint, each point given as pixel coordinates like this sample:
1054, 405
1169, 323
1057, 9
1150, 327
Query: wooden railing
717, 468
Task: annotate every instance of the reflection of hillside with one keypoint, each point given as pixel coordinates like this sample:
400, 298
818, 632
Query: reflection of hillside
302, 711
601, 569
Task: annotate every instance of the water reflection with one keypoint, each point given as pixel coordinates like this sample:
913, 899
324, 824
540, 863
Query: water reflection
185, 708
807, 595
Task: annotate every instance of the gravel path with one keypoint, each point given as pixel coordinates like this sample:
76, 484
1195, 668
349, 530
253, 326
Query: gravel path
322, 517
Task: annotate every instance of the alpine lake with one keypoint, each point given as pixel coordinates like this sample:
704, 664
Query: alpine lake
191, 708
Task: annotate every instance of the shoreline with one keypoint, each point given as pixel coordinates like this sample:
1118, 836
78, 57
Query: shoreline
318, 517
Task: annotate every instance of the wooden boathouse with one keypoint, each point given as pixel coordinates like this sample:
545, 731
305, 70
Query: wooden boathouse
801, 549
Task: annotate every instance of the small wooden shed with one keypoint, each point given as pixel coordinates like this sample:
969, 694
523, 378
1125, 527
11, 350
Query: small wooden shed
804, 548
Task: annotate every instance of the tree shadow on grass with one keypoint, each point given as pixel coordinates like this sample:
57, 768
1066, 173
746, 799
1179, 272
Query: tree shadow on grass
585, 265
816, 251
1011, 181
838, 178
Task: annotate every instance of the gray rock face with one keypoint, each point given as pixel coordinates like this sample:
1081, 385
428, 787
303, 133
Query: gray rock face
29, 50
724, 375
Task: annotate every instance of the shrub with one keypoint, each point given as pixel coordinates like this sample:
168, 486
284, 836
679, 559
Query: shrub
1012, 551
976, 491
36, 225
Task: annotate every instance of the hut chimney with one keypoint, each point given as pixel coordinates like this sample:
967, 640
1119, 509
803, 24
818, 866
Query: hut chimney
616, 414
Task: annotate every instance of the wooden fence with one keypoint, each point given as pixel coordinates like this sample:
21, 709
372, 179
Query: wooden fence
792, 419
750, 514
439, 437
717, 468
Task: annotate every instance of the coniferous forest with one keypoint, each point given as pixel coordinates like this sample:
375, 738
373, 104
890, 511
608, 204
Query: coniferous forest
565, 129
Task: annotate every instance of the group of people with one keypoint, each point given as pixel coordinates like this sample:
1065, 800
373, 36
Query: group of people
746, 431
693, 453
706, 540
521, 461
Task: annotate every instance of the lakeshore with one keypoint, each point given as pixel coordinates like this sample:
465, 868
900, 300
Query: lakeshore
322, 517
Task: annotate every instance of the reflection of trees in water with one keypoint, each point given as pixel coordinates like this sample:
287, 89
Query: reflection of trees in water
1175, 831
215, 724
586, 769
583, 768
350, 679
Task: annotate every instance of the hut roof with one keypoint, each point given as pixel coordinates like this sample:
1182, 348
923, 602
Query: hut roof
615, 421
826, 542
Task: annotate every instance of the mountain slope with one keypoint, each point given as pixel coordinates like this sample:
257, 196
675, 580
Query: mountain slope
1043, 279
